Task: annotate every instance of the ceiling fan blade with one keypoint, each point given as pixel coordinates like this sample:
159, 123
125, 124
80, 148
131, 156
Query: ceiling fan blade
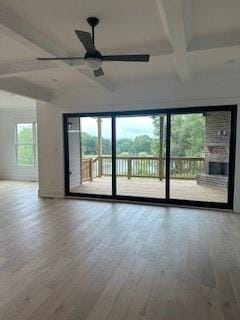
128, 57
86, 40
99, 72
60, 58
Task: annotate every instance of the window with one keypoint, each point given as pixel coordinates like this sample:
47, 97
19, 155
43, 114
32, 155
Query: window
26, 144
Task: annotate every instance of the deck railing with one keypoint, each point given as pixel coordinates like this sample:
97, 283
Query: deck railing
145, 167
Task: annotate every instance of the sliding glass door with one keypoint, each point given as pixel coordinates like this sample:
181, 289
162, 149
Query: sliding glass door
90, 155
176, 156
199, 163
140, 156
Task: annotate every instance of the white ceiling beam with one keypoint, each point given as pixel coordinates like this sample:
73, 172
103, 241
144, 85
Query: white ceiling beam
173, 14
17, 68
14, 69
25, 88
17, 28
187, 9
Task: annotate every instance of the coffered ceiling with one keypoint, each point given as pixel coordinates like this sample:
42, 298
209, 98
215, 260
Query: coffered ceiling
187, 39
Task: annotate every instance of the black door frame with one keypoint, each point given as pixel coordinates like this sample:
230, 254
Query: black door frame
168, 113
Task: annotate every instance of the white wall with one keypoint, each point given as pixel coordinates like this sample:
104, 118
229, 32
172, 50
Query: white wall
50, 151
16, 102
133, 97
8, 168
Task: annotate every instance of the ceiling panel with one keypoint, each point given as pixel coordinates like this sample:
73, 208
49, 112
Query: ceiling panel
215, 16
122, 23
217, 62
158, 67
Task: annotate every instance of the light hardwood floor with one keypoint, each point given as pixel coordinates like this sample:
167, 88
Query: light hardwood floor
74, 260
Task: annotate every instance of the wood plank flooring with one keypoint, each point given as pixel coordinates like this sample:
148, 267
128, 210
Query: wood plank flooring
149, 187
73, 260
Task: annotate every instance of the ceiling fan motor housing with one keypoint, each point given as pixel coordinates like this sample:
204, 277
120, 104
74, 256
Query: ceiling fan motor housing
93, 21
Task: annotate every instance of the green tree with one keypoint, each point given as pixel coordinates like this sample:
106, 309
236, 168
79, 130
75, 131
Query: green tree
142, 143
25, 135
107, 146
124, 145
156, 140
25, 152
89, 144
187, 135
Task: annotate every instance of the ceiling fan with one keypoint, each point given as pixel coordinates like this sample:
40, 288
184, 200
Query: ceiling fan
93, 57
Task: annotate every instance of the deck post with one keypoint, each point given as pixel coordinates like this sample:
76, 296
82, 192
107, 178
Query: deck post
160, 163
99, 122
91, 169
129, 167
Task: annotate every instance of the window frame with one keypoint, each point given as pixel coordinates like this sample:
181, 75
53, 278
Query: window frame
33, 144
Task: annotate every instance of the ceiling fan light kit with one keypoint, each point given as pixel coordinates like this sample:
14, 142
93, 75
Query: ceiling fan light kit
94, 59
94, 63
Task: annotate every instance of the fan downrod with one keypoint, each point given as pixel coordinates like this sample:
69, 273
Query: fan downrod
93, 21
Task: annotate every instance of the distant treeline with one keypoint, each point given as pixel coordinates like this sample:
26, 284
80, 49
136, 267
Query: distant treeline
187, 139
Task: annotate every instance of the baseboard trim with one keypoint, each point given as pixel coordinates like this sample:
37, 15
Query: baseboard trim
46, 193
19, 178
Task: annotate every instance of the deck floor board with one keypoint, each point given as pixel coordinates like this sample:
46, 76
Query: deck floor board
154, 188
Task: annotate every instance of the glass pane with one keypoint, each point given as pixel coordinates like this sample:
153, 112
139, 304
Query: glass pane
90, 155
25, 155
36, 144
24, 133
74, 152
200, 156
140, 156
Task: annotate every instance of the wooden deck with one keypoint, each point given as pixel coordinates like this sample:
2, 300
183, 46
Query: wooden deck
148, 187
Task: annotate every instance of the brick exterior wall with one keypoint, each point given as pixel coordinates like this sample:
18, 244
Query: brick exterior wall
216, 149
214, 121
